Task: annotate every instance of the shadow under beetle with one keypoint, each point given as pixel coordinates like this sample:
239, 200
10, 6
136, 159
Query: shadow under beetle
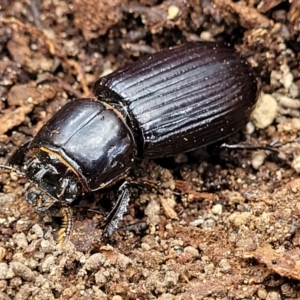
173, 101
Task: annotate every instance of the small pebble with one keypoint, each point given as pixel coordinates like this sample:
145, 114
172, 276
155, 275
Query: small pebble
296, 164
37, 229
206, 36
21, 240
240, 219
191, 250
15, 282
287, 77
2, 253
13, 176
24, 292
287, 80
289, 102
47, 246
217, 209
4, 296
68, 292
95, 261
3, 286
23, 225
258, 159
123, 261
294, 90
171, 279
265, 111
166, 297
234, 197
225, 265
3, 270
152, 209
6, 201
100, 278
169, 227
21, 270
273, 296
48, 264
32, 263
19, 257
39, 255
250, 128
152, 229
209, 223
196, 223
262, 293
288, 290
181, 158
296, 123
145, 246
173, 11
98, 294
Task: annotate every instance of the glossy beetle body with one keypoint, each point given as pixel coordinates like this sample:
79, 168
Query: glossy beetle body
173, 101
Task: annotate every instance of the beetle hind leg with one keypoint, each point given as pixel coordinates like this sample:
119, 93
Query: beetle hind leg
118, 210
67, 226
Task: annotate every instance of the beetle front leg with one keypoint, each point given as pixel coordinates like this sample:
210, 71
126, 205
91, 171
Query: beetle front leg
118, 210
17, 158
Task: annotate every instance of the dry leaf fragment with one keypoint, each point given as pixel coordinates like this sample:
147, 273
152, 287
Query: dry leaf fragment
286, 264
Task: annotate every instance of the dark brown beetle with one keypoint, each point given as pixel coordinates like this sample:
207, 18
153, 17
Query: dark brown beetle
170, 102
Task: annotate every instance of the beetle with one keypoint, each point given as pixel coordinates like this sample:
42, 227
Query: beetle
173, 101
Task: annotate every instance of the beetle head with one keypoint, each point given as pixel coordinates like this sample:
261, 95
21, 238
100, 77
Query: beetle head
50, 181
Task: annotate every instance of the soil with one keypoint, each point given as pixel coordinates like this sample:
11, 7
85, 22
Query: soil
223, 224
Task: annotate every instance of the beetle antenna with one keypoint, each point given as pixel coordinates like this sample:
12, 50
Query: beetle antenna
67, 226
10, 168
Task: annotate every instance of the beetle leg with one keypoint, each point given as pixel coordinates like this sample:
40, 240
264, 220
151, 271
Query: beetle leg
67, 226
17, 158
64, 185
12, 169
118, 210
269, 147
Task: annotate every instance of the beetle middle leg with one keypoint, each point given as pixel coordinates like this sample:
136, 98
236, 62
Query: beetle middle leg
118, 210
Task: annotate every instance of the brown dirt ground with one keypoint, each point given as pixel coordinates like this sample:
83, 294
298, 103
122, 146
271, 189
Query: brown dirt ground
226, 225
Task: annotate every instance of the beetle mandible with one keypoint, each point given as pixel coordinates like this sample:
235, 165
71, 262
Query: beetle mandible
173, 101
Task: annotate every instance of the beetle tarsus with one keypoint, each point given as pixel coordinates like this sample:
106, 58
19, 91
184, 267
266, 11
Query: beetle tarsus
118, 210
269, 147
67, 226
